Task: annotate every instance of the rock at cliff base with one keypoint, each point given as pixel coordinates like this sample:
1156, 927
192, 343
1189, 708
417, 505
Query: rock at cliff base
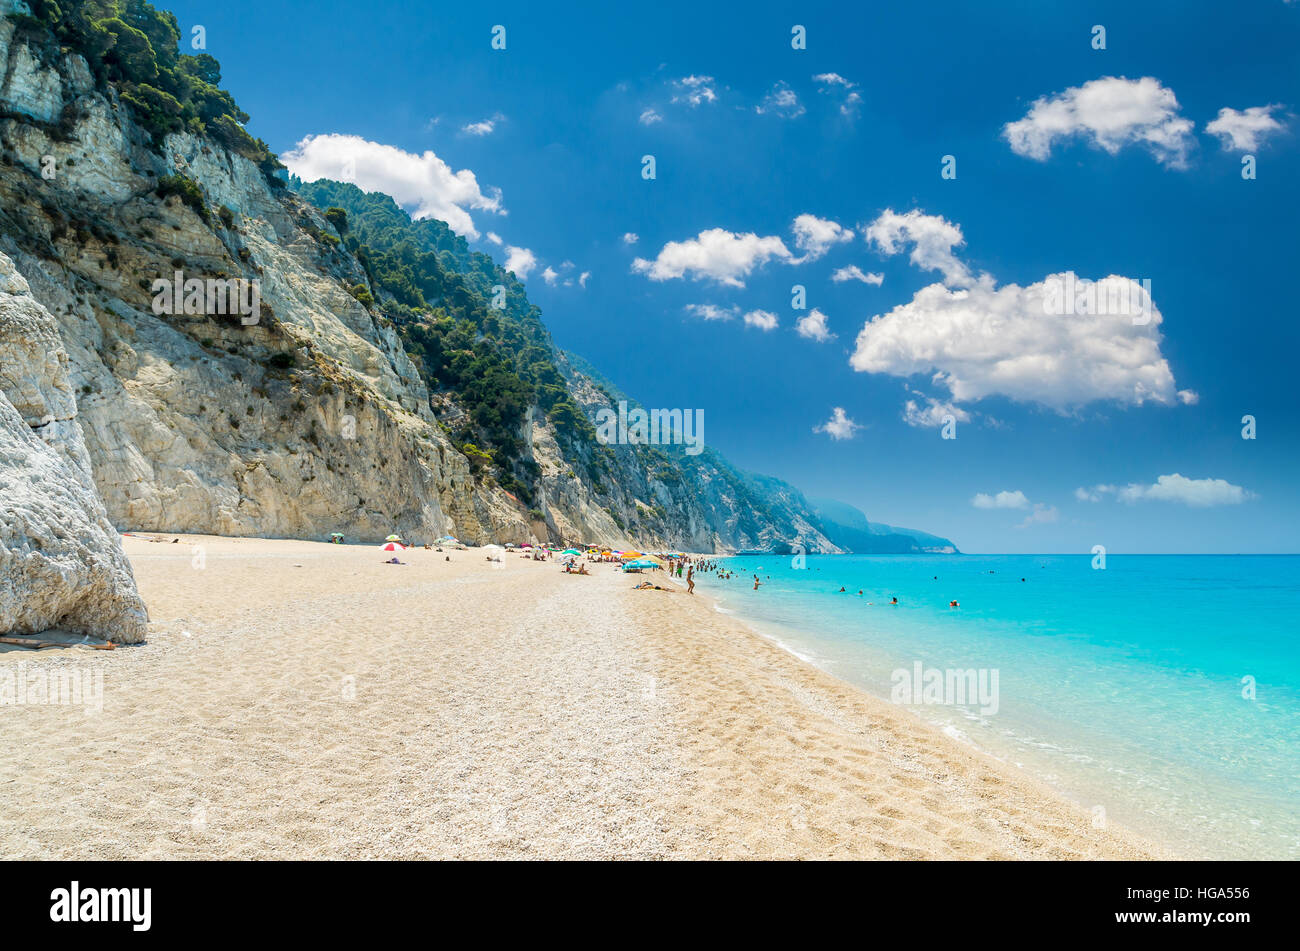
61, 560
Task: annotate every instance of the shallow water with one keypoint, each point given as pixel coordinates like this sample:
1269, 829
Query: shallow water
1127, 688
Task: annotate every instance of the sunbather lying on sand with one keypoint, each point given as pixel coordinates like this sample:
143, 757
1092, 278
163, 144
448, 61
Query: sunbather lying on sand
647, 586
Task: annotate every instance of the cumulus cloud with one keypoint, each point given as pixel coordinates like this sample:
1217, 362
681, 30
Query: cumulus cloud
712, 311
631, 237
694, 90
494, 238
1003, 500
1244, 131
1094, 494
781, 101
983, 341
933, 413
931, 237
839, 426
423, 184
583, 277
482, 127
521, 261
650, 117
1028, 343
1197, 493
550, 276
718, 255
1110, 113
815, 236
764, 320
813, 326
855, 273
836, 85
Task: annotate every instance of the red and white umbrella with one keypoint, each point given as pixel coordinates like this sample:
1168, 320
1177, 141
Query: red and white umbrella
393, 546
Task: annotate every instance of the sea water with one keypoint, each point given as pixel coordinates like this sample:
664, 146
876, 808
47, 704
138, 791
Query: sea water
1161, 692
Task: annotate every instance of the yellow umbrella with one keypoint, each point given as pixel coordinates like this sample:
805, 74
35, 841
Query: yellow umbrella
627, 555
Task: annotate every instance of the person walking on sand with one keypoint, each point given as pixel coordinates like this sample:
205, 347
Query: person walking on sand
690, 580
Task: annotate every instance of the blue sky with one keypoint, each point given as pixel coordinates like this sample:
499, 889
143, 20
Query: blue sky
1068, 159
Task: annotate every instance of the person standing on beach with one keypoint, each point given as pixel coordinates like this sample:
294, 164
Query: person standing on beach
690, 580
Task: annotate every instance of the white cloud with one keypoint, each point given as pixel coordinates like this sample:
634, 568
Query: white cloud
931, 415
781, 101
1110, 113
1003, 500
981, 340
1244, 131
712, 311
855, 273
650, 117
1095, 493
494, 238
694, 90
764, 320
815, 236
932, 238
482, 127
582, 278
835, 84
839, 426
631, 237
716, 254
1197, 493
422, 184
549, 276
813, 326
984, 341
521, 261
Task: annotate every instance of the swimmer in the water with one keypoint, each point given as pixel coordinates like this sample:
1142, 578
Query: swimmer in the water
841, 591
893, 600
953, 604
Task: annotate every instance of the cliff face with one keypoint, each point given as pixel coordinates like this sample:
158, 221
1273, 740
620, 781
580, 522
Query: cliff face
310, 416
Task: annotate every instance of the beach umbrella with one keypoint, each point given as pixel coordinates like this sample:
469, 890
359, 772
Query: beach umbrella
392, 546
393, 538
571, 551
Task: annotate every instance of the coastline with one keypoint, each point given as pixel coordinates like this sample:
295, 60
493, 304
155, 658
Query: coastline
298, 699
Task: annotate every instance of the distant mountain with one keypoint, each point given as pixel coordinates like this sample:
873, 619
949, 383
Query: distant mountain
849, 529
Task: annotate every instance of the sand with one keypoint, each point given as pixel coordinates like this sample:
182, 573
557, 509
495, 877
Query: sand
304, 700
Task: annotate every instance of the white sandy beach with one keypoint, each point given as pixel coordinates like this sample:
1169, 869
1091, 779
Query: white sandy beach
304, 700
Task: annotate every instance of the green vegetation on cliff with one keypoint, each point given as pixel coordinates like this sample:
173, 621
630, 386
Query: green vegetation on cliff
135, 48
465, 321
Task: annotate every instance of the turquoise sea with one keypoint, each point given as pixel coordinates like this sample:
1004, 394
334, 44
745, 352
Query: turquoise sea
1164, 689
